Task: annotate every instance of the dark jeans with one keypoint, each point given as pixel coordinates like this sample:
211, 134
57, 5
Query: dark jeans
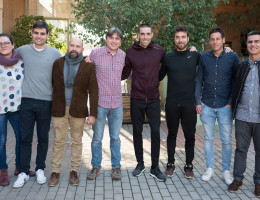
187, 114
13, 118
39, 111
152, 110
244, 131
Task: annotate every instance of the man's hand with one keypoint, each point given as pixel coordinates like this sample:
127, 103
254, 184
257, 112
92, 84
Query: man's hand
228, 106
192, 48
228, 49
198, 109
90, 120
87, 59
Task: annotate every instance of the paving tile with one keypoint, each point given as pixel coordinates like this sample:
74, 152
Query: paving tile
129, 187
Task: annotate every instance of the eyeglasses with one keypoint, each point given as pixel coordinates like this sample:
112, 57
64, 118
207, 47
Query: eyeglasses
5, 44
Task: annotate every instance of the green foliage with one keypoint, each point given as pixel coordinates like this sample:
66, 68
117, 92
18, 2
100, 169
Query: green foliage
98, 16
22, 33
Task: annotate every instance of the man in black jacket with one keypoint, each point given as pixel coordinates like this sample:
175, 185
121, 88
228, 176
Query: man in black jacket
246, 111
180, 65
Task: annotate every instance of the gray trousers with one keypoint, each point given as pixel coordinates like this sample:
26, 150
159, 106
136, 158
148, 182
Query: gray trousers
244, 131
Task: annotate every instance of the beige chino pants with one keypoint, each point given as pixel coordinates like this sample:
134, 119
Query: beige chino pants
61, 126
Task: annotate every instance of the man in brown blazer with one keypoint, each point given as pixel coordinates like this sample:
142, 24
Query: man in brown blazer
73, 80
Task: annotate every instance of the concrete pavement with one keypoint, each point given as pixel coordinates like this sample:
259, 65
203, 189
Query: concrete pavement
129, 187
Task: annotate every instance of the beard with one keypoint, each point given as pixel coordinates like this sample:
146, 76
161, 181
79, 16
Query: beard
181, 46
73, 56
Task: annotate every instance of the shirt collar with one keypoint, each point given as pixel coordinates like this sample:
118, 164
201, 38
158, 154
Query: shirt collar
251, 62
222, 53
108, 52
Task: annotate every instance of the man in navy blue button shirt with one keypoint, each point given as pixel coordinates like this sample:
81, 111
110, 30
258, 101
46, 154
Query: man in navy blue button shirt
213, 100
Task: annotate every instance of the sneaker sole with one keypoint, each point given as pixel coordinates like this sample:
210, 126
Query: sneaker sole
169, 176
52, 185
19, 186
189, 177
234, 191
139, 173
161, 180
75, 184
207, 179
41, 182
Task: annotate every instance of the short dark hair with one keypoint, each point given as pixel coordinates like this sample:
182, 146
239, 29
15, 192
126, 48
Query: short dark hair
41, 24
114, 30
144, 26
217, 30
255, 32
181, 28
8, 36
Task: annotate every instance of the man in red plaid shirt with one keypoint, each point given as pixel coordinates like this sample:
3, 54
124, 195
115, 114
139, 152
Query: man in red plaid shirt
109, 61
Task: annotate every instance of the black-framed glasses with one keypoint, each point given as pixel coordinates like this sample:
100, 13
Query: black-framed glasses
5, 44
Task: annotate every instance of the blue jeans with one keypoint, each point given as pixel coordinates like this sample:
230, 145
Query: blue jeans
115, 119
39, 112
13, 118
224, 118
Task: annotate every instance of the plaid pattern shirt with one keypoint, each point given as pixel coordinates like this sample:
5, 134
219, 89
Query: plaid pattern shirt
108, 71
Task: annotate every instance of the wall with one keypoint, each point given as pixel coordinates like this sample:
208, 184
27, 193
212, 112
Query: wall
12, 10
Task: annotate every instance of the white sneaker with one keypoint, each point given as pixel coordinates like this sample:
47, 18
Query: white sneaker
227, 177
208, 174
21, 180
41, 179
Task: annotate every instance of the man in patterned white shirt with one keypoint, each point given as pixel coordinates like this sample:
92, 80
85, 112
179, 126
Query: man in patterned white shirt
109, 61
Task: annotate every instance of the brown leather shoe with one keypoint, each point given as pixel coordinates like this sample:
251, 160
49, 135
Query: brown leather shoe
54, 179
234, 186
74, 179
257, 190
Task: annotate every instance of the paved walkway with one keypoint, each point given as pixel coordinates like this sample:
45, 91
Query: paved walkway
129, 187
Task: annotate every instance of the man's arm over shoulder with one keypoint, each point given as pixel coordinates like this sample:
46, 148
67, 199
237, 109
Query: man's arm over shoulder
162, 51
128, 67
55, 67
163, 70
199, 81
56, 53
93, 90
92, 55
236, 59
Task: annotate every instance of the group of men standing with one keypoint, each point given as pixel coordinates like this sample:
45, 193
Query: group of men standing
59, 87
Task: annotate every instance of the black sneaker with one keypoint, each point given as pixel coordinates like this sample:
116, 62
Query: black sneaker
188, 171
170, 170
138, 170
157, 174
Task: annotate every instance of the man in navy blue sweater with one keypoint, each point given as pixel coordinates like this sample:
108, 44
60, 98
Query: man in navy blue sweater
213, 100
